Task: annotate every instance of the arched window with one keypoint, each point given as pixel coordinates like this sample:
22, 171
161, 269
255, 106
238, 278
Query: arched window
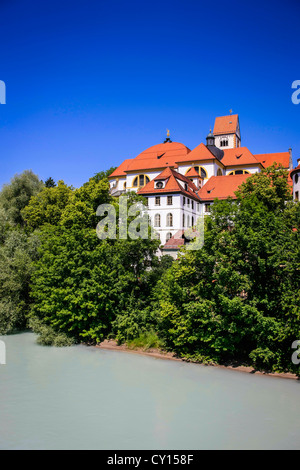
124, 185
140, 180
224, 143
157, 220
192, 221
219, 172
170, 220
200, 170
239, 172
168, 236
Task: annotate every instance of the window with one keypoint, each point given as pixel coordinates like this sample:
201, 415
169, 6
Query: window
124, 185
183, 201
157, 220
207, 207
192, 221
159, 184
185, 186
157, 200
169, 200
188, 220
198, 206
169, 220
219, 172
297, 195
296, 178
140, 180
223, 143
239, 172
192, 204
188, 202
183, 220
201, 171
168, 236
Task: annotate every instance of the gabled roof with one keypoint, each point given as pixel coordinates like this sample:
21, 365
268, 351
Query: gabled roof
221, 187
267, 159
120, 171
159, 156
172, 185
226, 124
192, 173
199, 153
239, 156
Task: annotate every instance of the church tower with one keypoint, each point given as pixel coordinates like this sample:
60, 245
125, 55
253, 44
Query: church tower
227, 132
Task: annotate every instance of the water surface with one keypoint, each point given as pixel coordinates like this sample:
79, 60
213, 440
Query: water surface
86, 398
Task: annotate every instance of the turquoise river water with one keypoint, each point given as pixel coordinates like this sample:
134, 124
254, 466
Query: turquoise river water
88, 398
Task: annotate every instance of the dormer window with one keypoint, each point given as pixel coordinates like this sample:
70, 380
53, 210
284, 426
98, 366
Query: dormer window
159, 185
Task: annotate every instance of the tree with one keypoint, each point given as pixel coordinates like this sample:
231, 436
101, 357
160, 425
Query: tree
50, 183
237, 298
17, 194
47, 206
80, 282
17, 254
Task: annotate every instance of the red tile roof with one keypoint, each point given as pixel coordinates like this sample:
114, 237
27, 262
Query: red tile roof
226, 124
267, 159
238, 157
192, 173
159, 156
297, 168
172, 185
175, 242
120, 171
221, 187
199, 153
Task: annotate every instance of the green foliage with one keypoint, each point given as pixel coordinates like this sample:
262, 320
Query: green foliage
101, 175
145, 341
17, 254
47, 336
16, 195
235, 299
50, 183
48, 206
238, 298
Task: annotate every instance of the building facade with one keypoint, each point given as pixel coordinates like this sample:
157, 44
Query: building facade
180, 184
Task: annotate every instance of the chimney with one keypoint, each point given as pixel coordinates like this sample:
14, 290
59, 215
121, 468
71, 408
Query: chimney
291, 159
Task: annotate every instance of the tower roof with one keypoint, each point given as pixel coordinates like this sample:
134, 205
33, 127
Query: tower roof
226, 124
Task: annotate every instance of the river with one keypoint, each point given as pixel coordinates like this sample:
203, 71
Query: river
87, 398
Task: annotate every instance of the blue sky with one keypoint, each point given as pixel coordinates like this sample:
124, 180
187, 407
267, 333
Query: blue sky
90, 83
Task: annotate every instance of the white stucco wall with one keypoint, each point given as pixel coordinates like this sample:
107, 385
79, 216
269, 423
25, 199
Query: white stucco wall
296, 185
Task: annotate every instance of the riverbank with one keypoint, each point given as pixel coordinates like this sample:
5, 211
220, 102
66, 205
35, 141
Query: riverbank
159, 354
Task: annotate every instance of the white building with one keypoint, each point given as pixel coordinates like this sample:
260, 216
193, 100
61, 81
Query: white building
180, 184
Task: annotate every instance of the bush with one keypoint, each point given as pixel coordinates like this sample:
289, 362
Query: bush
47, 336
